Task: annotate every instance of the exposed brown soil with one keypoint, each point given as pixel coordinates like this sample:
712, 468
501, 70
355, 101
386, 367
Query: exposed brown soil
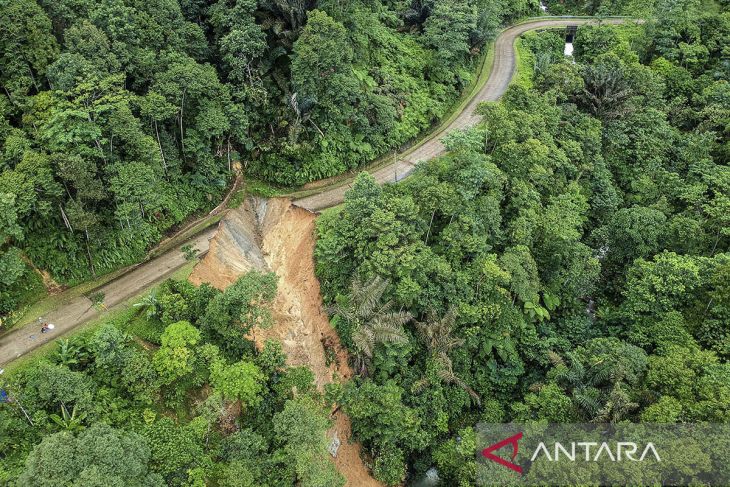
49, 283
272, 235
52, 287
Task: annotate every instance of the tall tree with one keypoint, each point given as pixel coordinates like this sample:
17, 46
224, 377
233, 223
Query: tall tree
232, 314
300, 430
176, 358
448, 30
27, 47
321, 72
100, 455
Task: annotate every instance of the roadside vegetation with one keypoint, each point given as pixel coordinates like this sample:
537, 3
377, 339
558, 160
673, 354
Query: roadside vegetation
118, 120
567, 261
168, 392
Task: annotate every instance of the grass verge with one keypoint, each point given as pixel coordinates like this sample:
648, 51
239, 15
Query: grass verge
525, 62
182, 237
256, 187
122, 313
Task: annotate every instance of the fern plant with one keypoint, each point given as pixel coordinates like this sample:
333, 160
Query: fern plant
370, 320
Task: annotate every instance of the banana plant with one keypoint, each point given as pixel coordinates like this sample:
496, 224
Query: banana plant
151, 304
73, 354
72, 422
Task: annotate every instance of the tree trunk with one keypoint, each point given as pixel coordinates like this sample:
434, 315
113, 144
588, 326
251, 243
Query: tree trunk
228, 143
318, 129
429, 226
65, 218
162, 153
96, 141
182, 137
35, 83
88, 253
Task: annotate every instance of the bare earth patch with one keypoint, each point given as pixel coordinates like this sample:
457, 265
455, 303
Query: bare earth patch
272, 235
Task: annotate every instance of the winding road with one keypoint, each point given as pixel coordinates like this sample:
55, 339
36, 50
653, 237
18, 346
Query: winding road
503, 69
79, 310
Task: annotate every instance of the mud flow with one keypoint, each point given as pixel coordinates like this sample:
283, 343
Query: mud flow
272, 235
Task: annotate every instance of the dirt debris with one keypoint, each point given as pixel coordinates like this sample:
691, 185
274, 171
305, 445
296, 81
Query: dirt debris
273, 235
52, 287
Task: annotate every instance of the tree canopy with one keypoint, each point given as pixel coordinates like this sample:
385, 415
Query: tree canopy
565, 261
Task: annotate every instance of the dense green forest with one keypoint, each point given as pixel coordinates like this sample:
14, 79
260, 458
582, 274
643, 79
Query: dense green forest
120, 118
567, 261
169, 393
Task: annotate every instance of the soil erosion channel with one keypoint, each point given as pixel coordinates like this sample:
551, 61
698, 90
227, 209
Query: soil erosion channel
272, 235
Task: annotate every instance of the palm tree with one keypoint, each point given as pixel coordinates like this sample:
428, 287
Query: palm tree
371, 320
437, 335
290, 13
606, 91
598, 390
618, 405
574, 376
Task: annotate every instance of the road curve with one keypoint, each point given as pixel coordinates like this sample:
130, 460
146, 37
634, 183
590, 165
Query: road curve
503, 69
79, 310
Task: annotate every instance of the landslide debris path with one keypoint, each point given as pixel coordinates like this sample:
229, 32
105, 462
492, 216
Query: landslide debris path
503, 69
275, 236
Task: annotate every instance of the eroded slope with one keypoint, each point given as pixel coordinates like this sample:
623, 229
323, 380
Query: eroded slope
272, 235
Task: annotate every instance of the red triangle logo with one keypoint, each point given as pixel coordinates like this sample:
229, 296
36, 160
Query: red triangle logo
512, 440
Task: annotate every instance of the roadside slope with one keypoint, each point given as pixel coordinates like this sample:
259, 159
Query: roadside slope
275, 236
79, 310
502, 71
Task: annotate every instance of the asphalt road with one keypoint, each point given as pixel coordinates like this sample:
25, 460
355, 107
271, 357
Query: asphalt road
503, 69
79, 310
